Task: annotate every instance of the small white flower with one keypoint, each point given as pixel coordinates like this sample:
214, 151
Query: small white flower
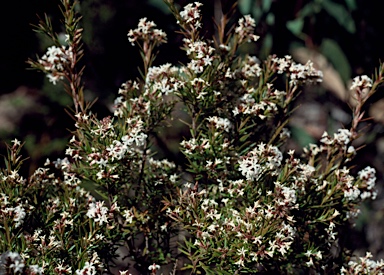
240, 262
88, 269
308, 253
125, 272
98, 212
19, 215
16, 142
361, 82
35, 269
241, 252
309, 263
153, 267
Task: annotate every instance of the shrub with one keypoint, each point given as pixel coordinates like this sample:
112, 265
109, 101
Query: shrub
237, 203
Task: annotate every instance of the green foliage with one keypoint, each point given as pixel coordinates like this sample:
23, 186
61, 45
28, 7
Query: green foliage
336, 56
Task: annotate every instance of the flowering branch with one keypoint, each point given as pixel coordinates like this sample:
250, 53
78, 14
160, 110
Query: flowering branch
61, 61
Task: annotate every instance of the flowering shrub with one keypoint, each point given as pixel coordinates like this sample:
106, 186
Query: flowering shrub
240, 203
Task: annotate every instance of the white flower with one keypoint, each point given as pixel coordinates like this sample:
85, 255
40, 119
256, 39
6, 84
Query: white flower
55, 60
88, 269
146, 31
19, 215
289, 194
16, 262
124, 272
250, 168
16, 142
220, 123
35, 269
336, 213
191, 14
352, 193
361, 82
309, 263
368, 175
240, 262
245, 29
98, 212
241, 252
260, 159
153, 267
343, 136
304, 73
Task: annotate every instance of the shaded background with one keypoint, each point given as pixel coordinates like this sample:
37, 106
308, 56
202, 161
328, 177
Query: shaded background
342, 37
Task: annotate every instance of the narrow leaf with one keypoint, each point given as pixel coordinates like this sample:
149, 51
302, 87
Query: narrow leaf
342, 16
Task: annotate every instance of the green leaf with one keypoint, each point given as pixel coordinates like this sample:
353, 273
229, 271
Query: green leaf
245, 6
342, 16
267, 46
270, 19
266, 5
308, 10
301, 136
332, 51
351, 4
295, 26
257, 13
159, 4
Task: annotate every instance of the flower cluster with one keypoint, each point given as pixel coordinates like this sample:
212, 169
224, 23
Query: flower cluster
361, 82
17, 213
146, 31
363, 265
220, 123
259, 160
191, 16
201, 55
246, 29
12, 262
342, 138
298, 73
163, 78
54, 62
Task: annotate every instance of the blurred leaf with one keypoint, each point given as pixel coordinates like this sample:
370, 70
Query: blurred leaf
266, 5
309, 9
106, 13
332, 51
342, 16
301, 136
296, 26
245, 6
159, 4
266, 46
376, 111
351, 4
56, 93
92, 186
54, 145
270, 19
257, 13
